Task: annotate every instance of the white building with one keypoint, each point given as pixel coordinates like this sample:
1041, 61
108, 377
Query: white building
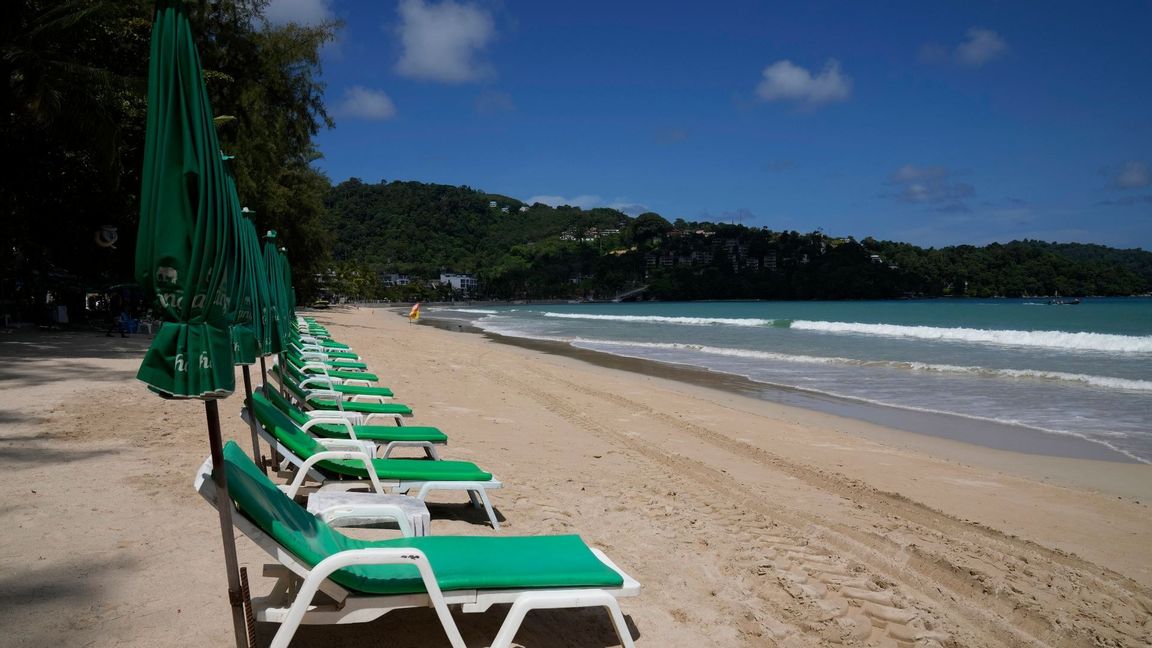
393, 279
465, 283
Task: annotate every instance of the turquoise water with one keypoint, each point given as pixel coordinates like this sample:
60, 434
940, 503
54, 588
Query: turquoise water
1076, 370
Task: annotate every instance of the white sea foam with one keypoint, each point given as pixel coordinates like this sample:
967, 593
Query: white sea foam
1106, 382
1041, 339
660, 319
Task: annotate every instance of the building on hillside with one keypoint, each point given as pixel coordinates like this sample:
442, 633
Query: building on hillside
389, 279
465, 283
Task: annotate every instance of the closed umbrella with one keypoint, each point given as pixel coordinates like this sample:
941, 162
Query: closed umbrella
187, 249
252, 293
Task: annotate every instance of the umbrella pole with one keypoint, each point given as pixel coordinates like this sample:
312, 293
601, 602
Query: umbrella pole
252, 419
263, 372
224, 506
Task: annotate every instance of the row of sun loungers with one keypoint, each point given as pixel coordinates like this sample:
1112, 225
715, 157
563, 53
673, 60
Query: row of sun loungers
332, 429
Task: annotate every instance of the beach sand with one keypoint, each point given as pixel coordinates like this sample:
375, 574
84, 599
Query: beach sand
748, 523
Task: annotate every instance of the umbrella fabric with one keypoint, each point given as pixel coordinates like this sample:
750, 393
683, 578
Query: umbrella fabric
252, 288
187, 244
281, 311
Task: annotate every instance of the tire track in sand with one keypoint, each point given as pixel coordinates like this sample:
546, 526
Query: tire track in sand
896, 577
802, 592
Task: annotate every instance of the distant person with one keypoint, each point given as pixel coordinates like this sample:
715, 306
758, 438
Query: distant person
122, 322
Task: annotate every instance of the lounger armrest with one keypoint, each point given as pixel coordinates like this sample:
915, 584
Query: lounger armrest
331, 420
320, 382
354, 445
329, 416
349, 455
317, 366
322, 393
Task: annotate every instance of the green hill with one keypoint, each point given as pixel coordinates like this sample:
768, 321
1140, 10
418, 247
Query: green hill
520, 251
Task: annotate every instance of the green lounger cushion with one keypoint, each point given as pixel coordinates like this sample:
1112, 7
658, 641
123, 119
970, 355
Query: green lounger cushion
301, 444
335, 373
459, 562
352, 390
320, 402
385, 433
363, 408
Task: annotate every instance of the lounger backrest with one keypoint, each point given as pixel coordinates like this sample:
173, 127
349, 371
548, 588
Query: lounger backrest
279, 425
284, 405
300, 532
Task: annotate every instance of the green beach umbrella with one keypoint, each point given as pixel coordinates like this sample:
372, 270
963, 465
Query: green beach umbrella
187, 250
252, 295
283, 319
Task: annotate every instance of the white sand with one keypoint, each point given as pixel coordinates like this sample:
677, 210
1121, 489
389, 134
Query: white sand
748, 523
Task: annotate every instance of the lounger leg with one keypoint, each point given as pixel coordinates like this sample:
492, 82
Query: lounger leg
553, 600
488, 508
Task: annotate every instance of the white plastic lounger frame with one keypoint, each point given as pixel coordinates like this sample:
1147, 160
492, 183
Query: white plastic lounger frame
346, 422
323, 383
311, 366
289, 610
364, 451
302, 348
302, 395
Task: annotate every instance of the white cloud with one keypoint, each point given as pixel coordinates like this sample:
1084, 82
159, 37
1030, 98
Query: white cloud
363, 103
786, 81
1135, 174
302, 12
982, 46
931, 186
445, 41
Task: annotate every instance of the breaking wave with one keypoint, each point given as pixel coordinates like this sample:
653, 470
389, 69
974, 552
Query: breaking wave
1063, 340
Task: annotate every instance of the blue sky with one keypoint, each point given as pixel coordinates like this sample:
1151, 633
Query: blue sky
928, 122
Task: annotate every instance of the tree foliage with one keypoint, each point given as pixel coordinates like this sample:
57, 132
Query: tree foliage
72, 116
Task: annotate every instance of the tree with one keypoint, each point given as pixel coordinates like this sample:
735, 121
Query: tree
648, 226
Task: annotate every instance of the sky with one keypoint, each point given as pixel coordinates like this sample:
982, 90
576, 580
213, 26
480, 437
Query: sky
934, 123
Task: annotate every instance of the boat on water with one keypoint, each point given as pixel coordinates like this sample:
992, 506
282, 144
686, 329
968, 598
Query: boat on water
1056, 301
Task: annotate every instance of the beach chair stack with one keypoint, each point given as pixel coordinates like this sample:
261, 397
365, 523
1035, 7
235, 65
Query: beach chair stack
336, 434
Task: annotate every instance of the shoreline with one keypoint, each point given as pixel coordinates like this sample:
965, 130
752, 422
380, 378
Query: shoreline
914, 424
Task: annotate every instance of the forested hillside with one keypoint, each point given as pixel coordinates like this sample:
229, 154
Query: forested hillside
520, 251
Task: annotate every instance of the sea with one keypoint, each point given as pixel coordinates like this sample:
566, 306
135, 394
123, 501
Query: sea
1020, 374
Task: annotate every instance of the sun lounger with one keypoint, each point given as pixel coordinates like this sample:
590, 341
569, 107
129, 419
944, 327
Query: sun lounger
361, 580
348, 464
332, 425
327, 399
326, 343
305, 349
350, 377
334, 363
321, 381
